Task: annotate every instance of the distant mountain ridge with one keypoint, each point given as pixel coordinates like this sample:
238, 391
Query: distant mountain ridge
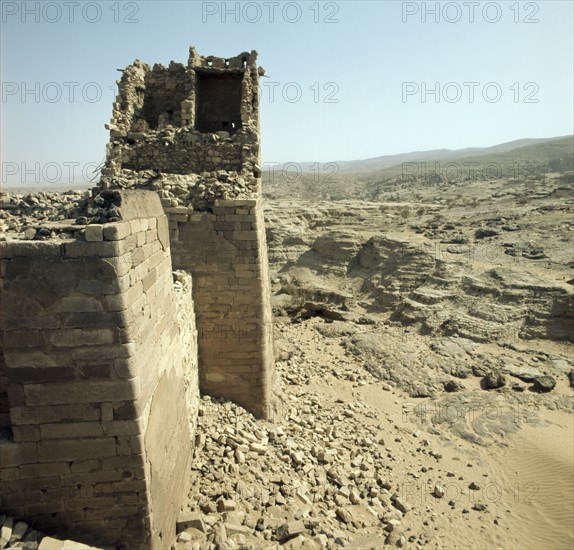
386, 162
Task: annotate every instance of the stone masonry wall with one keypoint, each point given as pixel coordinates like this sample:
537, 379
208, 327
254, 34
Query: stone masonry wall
186, 151
158, 113
192, 134
101, 376
225, 252
4, 416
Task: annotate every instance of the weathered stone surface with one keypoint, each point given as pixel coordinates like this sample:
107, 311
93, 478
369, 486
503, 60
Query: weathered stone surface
99, 382
80, 383
188, 520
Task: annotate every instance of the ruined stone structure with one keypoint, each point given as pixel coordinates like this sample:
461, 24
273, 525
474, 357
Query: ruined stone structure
192, 133
103, 347
101, 379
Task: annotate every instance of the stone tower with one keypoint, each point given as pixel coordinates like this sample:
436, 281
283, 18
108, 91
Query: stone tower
191, 133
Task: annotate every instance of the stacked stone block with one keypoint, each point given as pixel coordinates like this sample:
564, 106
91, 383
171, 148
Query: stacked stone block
192, 134
226, 253
100, 374
156, 124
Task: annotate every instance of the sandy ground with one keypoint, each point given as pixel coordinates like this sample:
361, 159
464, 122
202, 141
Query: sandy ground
526, 481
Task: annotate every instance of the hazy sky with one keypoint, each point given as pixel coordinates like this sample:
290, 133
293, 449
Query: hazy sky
344, 80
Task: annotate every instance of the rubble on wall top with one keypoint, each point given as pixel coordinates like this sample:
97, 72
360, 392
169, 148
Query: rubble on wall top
41, 216
198, 191
241, 61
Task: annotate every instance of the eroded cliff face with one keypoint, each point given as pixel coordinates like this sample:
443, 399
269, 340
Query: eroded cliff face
434, 272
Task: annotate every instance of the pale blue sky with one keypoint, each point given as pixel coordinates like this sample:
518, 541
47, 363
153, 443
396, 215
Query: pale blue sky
360, 60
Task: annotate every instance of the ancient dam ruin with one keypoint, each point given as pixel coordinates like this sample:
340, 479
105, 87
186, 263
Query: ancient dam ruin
112, 323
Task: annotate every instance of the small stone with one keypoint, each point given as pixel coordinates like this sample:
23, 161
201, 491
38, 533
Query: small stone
49, 543
438, 491
344, 515
18, 531
544, 384
190, 519
493, 380
354, 497
219, 533
298, 458
452, 386
184, 537
392, 524
290, 529
6, 532
258, 448
473, 486
226, 505
30, 233
401, 505
236, 529
326, 456
484, 232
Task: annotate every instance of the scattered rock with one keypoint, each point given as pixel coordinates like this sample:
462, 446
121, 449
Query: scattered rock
493, 380
291, 529
453, 386
438, 491
484, 232
544, 384
188, 520
344, 515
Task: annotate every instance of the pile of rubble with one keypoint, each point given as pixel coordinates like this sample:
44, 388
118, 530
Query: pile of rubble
42, 215
318, 479
37, 215
26, 214
18, 534
197, 191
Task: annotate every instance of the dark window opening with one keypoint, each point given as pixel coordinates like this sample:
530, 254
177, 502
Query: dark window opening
218, 103
163, 97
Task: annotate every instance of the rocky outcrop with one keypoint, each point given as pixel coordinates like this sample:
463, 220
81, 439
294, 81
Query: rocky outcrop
343, 266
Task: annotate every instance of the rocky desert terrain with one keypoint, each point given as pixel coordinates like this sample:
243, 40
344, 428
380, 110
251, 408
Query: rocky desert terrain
425, 361
425, 371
